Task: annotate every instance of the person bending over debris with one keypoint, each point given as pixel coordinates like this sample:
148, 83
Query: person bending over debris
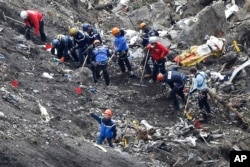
62, 44
107, 129
121, 49
158, 53
176, 80
199, 83
80, 45
34, 19
147, 32
92, 32
99, 61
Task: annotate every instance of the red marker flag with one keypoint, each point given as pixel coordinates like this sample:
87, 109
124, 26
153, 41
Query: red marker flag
78, 90
14, 83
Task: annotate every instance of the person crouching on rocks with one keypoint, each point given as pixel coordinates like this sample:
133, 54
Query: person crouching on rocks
176, 81
33, 18
107, 129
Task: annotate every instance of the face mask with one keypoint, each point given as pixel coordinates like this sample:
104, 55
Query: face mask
152, 45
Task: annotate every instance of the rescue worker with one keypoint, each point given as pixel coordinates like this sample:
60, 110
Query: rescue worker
107, 129
33, 19
121, 49
176, 81
92, 32
62, 44
99, 61
80, 45
147, 32
200, 85
158, 53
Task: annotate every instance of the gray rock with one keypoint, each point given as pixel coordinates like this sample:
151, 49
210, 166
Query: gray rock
209, 21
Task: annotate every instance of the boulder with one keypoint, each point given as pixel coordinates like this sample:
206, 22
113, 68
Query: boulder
209, 21
156, 14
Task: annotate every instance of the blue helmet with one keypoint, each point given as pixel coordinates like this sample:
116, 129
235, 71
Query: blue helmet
55, 42
85, 26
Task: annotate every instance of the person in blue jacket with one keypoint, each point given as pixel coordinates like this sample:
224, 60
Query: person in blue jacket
62, 44
176, 81
80, 45
121, 49
92, 32
107, 129
200, 85
147, 33
99, 61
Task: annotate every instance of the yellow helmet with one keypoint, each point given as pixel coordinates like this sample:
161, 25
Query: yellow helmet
73, 31
115, 31
142, 25
96, 42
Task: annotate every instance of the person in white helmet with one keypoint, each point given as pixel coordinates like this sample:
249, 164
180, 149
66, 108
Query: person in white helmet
158, 53
33, 19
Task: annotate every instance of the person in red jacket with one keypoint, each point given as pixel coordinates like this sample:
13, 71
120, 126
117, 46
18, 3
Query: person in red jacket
33, 18
158, 54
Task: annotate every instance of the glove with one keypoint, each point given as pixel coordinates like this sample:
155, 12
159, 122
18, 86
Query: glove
94, 63
62, 59
90, 47
123, 52
117, 53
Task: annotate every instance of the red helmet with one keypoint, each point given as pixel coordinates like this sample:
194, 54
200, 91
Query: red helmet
108, 112
160, 77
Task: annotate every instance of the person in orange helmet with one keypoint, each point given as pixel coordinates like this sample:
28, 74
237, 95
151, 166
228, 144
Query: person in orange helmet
108, 127
176, 81
121, 50
33, 18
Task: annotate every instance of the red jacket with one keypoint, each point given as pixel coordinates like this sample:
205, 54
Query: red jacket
158, 52
34, 18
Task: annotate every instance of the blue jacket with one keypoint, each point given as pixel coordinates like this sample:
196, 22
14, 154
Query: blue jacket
199, 82
65, 43
93, 35
81, 39
108, 127
175, 79
148, 32
120, 43
101, 54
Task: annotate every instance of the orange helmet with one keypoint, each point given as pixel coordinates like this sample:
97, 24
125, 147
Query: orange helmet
108, 112
142, 25
96, 42
115, 31
160, 77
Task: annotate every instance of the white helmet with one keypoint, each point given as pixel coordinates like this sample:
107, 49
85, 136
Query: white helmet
152, 40
23, 14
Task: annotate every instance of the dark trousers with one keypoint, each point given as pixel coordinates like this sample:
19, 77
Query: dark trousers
42, 33
41, 30
202, 100
79, 54
100, 139
158, 66
121, 62
96, 73
177, 91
